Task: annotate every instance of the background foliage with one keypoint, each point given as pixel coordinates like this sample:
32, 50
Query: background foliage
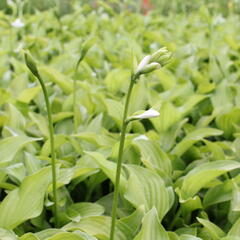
181, 174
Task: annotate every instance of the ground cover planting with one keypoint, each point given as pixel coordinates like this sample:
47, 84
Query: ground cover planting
116, 125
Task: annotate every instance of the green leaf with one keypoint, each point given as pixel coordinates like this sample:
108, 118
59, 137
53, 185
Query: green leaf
227, 121
189, 237
7, 235
5, 95
215, 149
201, 175
116, 80
11, 145
59, 141
137, 102
16, 172
45, 234
29, 236
151, 154
190, 103
190, 205
130, 225
25, 202
173, 236
52, 75
214, 231
32, 163
27, 95
115, 110
235, 230
41, 123
231, 238
99, 226
152, 228
62, 115
84, 209
151, 192
194, 137
169, 115
168, 138
15, 118
235, 204
68, 236
220, 193
109, 168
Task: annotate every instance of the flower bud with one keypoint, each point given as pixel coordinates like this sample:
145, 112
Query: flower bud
152, 62
31, 64
162, 56
149, 68
87, 45
165, 59
151, 113
159, 53
18, 23
143, 63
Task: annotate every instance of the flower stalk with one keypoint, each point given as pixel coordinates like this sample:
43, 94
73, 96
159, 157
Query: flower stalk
85, 48
148, 64
33, 68
119, 162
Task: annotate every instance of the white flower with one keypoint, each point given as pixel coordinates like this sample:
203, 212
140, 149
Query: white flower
18, 23
150, 68
151, 113
141, 137
143, 63
153, 62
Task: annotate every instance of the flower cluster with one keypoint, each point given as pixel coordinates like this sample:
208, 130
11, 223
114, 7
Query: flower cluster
153, 62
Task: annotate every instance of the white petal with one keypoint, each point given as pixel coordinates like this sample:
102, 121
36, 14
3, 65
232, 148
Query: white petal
141, 137
151, 113
18, 23
143, 63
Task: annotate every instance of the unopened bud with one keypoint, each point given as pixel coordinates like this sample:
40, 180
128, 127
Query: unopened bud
165, 59
143, 63
87, 45
31, 64
153, 62
161, 52
150, 68
162, 56
151, 113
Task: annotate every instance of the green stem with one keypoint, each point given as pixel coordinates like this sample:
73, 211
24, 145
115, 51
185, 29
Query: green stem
175, 218
51, 135
220, 67
75, 120
119, 162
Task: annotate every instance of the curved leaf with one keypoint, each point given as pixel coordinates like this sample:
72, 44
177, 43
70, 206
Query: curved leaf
151, 192
26, 201
11, 145
214, 231
84, 209
77, 235
108, 167
203, 174
7, 235
235, 230
99, 226
56, 77
151, 154
193, 137
152, 228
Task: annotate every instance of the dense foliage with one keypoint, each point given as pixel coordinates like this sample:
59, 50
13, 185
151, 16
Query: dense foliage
180, 178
